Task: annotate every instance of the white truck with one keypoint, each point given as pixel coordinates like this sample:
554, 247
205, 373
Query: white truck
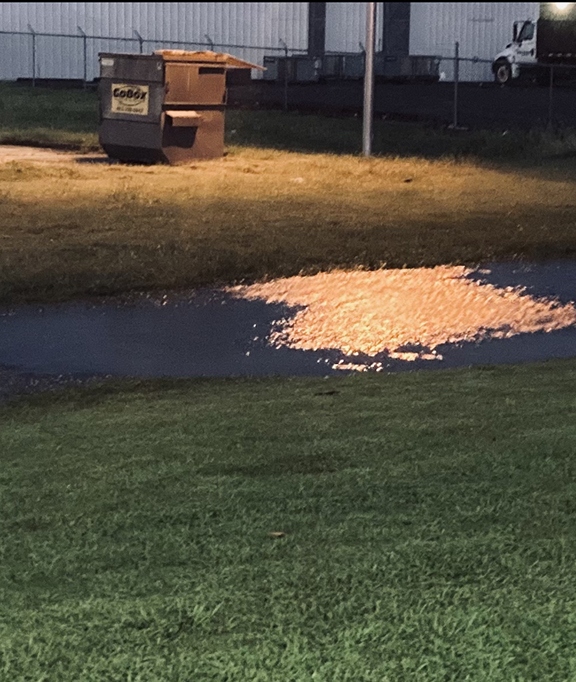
535, 47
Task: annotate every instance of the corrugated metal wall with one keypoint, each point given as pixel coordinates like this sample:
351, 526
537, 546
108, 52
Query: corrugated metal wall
256, 24
482, 28
346, 26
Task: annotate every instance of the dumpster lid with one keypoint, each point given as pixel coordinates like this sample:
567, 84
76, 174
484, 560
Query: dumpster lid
184, 119
206, 56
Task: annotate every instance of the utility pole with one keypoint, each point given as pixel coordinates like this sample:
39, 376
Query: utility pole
369, 79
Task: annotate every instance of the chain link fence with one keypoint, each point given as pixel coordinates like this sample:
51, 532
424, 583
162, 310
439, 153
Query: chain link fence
36, 56
452, 90
43, 56
551, 79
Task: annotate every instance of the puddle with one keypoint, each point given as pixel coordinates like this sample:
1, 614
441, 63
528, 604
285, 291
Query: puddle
392, 320
403, 314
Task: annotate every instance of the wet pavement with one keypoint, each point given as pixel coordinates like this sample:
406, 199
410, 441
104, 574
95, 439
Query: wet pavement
236, 332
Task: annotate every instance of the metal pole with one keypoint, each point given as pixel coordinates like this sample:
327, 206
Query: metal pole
33, 55
369, 80
456, 79
85, 57
210, 41
285, 74
140, 40
551, 98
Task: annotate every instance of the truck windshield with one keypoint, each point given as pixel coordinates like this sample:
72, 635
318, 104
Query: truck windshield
526, 32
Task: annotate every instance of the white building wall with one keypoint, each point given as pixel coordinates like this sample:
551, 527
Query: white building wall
346, 26
258, 25
482, 28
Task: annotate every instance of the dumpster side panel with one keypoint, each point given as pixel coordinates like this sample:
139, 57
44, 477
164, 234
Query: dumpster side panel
110, 91
129, 141
132, 67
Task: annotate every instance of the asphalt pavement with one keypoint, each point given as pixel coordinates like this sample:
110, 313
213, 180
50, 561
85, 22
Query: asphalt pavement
521, 312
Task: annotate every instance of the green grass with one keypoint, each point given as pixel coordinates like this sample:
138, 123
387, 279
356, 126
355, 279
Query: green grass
69, 119
42, 117
430, 530
318, 134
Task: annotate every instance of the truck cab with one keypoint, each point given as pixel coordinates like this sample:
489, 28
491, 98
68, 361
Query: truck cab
543, 50
518, 54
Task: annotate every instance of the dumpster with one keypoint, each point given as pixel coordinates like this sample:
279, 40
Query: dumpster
165, 107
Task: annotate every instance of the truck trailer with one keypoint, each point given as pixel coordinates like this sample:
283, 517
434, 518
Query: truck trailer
537, 46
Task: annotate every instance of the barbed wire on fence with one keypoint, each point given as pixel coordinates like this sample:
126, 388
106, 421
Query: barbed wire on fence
89, 57
35, 60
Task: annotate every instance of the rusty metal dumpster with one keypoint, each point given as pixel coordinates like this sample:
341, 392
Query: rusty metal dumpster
165, 107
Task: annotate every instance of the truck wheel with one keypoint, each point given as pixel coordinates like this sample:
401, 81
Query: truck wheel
502, 73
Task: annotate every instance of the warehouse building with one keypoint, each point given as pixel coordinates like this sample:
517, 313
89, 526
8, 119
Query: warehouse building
62, 40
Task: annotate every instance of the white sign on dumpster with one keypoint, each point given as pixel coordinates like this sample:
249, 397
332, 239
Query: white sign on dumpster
130, 99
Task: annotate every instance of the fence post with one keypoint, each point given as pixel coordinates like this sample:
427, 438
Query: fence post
363, 52
551, 98
368, 108
285, 73
84, 57
140, 40
33, 34
456, 79
209, 41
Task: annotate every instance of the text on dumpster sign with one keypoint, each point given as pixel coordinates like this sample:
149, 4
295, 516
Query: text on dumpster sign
130, 99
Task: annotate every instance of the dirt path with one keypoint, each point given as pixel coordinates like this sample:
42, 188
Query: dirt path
11, 153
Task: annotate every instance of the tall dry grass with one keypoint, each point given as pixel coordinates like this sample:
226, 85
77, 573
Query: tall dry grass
75, 229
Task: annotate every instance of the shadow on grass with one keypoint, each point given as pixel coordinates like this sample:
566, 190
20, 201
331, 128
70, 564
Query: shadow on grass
68, 119
165, 246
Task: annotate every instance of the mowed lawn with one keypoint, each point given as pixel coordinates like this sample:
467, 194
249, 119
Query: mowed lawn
426, 530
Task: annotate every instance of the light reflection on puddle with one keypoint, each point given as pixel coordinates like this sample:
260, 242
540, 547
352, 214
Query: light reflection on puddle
404, 314
332, 323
